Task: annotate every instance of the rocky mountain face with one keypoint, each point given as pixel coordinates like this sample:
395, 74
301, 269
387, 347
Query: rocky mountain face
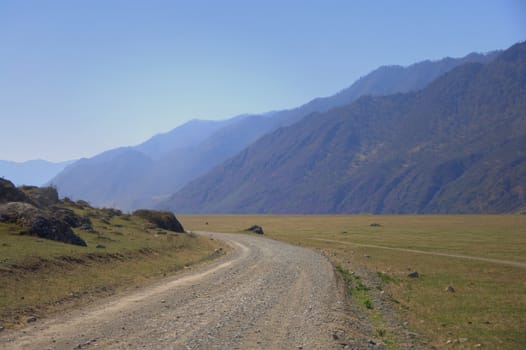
456, 146
147, 174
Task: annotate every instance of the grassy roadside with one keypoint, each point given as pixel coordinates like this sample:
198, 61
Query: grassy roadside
488, 307
39, 276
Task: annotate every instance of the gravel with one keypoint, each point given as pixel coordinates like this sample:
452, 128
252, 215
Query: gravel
263, 295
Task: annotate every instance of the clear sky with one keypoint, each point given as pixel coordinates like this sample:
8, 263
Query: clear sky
81, 77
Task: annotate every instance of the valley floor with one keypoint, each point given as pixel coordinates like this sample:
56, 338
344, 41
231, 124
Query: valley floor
481, 257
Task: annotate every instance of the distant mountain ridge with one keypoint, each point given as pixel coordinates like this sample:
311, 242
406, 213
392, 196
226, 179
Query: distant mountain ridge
32, 172
164, 164
456, 146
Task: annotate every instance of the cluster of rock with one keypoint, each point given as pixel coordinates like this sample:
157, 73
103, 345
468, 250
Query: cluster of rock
37, 210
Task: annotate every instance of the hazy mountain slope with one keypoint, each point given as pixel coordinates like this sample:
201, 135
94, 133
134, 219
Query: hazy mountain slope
193, 149
104, 180
33, 172
180, 166
388, 80
115, 177
459, 145
187, 135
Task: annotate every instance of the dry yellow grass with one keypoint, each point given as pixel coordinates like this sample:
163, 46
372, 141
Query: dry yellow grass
489, 304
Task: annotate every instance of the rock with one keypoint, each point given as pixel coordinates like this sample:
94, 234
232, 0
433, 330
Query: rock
39, 222
100, 246
55, 230
1, 328
450, 289
413, 274
82, 204
88, 228
375, 225
161, 219
42, 197
256, 229
110, 212
9, 192
71, 218
19, 213
31, 319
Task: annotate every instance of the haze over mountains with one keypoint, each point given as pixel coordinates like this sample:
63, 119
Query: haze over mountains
456, 146
148, 174
33, 172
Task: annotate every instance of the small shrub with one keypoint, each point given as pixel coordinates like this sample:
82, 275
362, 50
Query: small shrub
360, 286
386, 278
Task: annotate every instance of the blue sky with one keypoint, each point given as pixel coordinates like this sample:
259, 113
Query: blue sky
81, 77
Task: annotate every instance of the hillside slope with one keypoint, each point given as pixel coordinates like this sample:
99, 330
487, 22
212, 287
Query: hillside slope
193, 149
457, 146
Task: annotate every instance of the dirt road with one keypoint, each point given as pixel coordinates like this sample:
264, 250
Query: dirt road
449, 255
263, 295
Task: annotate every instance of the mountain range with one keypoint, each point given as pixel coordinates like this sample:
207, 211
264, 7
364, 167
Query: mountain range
148, 174
33, 172
456, 146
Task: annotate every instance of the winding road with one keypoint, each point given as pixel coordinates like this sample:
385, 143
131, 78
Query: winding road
263, 295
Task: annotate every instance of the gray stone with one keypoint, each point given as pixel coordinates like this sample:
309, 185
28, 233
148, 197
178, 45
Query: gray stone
256, 229
413, 274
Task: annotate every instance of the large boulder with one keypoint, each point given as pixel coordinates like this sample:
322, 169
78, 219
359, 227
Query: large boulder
39, 223
72, 219
19, 213
42, 197
162, 219
57, 230
9, 192
256, 229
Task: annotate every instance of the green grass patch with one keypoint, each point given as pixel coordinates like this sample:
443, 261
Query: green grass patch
356, 288
387, 278
38, 276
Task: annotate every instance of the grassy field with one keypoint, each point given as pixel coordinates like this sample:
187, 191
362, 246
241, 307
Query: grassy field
38, 276
487, 309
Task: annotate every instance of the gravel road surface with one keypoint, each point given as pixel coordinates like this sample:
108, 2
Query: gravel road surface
263, 295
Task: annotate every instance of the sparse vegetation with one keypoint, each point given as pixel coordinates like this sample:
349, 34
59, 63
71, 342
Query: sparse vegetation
488, 306
38, 276
386, 278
